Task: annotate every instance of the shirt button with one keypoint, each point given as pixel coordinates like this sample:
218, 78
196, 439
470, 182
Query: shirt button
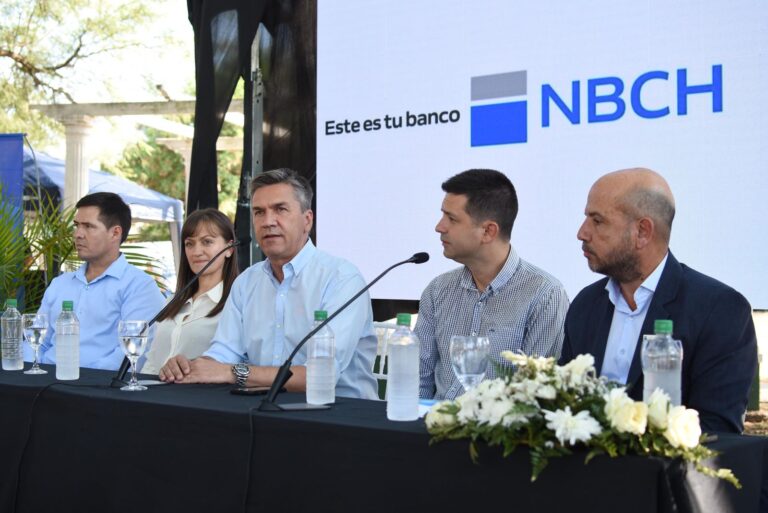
279, 325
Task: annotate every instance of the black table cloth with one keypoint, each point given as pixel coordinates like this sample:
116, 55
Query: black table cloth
82, 446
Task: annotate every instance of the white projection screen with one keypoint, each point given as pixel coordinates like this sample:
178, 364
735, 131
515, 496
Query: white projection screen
553, 94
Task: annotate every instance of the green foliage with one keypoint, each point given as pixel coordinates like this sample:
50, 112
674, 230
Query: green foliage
41, 44
551, 408
49, 234
42, 241
154, 166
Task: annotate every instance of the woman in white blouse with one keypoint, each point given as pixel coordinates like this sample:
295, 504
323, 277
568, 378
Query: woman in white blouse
188, 327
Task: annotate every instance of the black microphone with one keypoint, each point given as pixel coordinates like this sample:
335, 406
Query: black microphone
284, 372
119, 378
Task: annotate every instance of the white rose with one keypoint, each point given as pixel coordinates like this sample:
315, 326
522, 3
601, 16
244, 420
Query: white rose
683, 429
493, 412
624, 414
543, 364
579, 367
546, 392
658, 408
469, 407
436, 419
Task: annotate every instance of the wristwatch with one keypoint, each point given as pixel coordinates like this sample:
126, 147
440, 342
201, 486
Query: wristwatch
241, 372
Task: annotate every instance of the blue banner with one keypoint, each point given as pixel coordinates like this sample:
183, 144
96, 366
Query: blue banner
12, 168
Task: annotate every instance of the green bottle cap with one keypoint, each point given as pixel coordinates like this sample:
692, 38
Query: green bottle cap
663, 326
321, 315
67, 306
10, 303
404, 319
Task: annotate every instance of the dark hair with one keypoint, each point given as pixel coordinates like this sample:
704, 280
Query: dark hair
112, 210
490, 196
223, 226
301, 187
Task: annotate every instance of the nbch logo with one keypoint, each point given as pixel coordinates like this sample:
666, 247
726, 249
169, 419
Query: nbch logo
507, 122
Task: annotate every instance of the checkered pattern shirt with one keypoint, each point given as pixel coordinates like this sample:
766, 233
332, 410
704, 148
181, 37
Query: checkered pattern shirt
523, 309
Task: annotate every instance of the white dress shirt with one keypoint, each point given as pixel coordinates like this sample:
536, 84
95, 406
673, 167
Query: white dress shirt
188, 333
626, 325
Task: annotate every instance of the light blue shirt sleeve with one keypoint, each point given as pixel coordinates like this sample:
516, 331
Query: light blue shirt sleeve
121, 292
142, 300
263, 320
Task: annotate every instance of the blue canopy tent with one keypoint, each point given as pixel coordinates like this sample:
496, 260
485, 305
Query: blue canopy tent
146, 205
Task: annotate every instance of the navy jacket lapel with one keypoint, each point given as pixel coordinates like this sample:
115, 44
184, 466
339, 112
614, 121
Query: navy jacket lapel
666, 292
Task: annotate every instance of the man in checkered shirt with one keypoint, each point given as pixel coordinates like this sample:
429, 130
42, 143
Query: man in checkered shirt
494, 293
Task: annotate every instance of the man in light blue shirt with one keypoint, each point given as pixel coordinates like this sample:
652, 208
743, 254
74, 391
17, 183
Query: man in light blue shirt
271, 306
105, 289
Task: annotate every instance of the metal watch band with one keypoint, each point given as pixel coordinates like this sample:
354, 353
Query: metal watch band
241, 372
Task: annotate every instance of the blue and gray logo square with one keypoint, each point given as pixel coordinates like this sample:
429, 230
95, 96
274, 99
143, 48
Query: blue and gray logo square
499, 123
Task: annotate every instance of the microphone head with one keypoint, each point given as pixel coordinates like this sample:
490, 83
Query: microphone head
419, 258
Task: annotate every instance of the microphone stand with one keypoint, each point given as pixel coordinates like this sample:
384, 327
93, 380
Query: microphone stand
119, 379
284, 372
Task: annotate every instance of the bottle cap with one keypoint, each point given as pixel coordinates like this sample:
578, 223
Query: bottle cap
321, 315
404, 319
10, 303
663, 326
67, 306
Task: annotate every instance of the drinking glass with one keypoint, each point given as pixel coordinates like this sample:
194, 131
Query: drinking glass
469, 357
35, 326
133, 339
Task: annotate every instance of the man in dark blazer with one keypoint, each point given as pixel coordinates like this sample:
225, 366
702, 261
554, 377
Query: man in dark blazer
625, 236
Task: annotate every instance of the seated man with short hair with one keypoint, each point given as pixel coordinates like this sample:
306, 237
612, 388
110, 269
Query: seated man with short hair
105, 289
272, 303
495, 293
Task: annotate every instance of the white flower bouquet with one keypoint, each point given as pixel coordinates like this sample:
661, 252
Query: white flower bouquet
552, 408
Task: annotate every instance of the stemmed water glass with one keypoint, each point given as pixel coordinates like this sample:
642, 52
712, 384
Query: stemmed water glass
469, 357
133, 339
35, 326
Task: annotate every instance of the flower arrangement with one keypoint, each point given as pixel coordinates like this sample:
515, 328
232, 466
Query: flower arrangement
552, 408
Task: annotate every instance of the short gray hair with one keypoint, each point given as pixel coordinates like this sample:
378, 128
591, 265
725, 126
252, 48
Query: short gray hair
301, 187
644, 202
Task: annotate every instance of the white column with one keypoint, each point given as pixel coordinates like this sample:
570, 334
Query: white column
76, 130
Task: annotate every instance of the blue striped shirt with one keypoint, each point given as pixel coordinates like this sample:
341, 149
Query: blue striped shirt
522, 309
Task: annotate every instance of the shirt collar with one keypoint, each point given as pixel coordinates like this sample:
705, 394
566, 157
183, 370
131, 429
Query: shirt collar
647, 288
214, 294
501, 279
297, 263
116, 269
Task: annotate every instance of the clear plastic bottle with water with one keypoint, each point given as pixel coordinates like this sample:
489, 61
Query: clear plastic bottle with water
662, 358
10, 324
67, 343
321, 364
403, 374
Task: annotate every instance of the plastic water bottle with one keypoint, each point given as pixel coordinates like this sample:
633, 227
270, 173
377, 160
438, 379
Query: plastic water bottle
67, 343
662, 358
403, 375
10, 324
321, 364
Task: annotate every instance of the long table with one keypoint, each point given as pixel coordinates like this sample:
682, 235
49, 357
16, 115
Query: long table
84, 447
